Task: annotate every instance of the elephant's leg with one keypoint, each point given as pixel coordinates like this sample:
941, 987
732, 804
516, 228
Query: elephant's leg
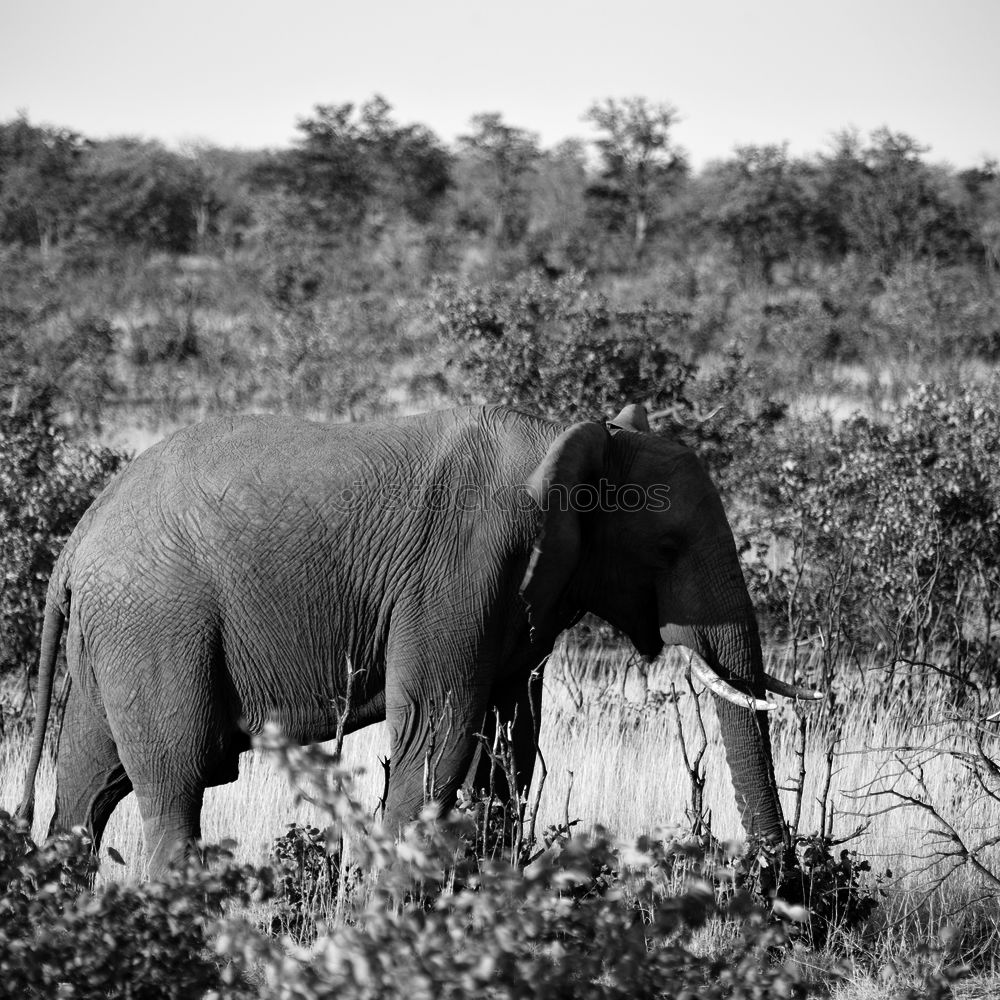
90, 778
170, 768
517, 705
171, 821
433, 735
162, 696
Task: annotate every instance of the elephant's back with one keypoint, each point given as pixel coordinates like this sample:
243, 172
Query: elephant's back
255, 482
212, 456
269, 440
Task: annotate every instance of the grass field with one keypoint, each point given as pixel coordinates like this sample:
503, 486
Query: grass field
611, 748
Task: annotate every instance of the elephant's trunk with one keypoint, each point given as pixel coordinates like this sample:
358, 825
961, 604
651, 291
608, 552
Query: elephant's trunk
733, 651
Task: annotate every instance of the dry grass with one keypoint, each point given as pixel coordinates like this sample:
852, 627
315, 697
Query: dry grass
619, 763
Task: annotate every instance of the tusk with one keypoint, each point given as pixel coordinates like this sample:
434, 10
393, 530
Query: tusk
723, 689
790, 690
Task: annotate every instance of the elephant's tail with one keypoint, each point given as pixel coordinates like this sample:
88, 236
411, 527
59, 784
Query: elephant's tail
51, 632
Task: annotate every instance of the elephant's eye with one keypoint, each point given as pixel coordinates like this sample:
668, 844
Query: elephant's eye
667, 548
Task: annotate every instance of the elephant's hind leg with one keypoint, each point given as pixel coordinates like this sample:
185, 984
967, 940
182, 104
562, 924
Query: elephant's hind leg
170, 772
90, 778
171, 822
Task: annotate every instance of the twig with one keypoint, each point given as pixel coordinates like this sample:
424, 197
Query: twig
536, 728
826, 825
800, 786
385, 764
569, 791
695, 770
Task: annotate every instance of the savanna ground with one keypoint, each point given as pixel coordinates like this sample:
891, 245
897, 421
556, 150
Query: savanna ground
825, 332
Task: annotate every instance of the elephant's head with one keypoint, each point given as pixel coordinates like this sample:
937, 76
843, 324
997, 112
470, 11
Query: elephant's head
633, 530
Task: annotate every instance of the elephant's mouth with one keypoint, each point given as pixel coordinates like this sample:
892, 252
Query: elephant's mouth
649, 648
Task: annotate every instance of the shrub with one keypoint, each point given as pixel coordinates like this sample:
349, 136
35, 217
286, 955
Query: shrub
932, 313
307, 881
50, 361
834, 888
893, 526
421, 916
556, 348
46, 484
430, 919
561, 350
149, 941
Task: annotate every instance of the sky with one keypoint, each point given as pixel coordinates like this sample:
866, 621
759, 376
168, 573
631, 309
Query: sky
242, 72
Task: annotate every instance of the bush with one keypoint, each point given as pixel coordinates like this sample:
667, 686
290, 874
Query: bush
893, 525
429, 918
149, 942
50, 361
46, 484
307, 880
833, 887
557, 349
421, 916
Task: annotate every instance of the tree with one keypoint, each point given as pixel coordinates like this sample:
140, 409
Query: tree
39, 183
411, 170
889, 204
353, 165
640, 161
501, 159
558, 228
226, 210
764, 204
981, 189
142, 194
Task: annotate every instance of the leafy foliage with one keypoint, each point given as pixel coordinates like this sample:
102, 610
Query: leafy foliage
45, 486
557, 349
139, 193
306, 866
834, 888
902, 517
151, 941
419, 915
888, 203
39, 187
501, 159
583, 920
766, 206
352, 164
69, 364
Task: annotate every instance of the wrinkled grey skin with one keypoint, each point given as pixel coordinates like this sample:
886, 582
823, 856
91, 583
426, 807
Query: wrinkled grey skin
229, 575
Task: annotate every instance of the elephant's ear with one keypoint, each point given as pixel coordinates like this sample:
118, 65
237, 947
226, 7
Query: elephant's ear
574, 458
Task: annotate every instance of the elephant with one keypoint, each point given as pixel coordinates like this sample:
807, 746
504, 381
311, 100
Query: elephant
253, 569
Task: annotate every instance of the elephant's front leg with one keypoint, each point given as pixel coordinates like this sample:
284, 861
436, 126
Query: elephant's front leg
516, 704
435, 702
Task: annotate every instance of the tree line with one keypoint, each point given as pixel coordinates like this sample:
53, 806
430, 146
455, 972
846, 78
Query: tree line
356, 179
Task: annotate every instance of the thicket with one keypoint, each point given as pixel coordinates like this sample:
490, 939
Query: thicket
884, 529
211, 274
425, 915
884, 534
46, 483
557, 347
